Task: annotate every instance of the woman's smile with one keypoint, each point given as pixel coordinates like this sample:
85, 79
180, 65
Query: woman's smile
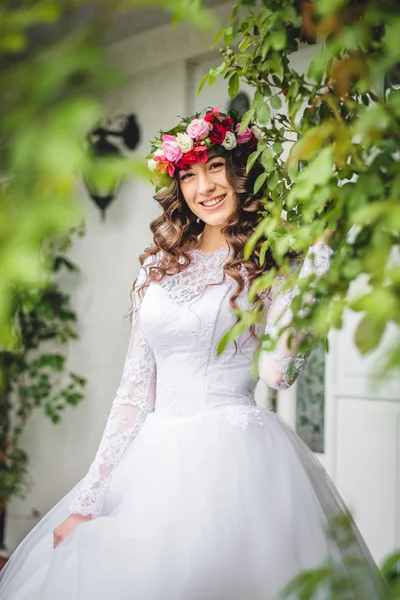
213, 203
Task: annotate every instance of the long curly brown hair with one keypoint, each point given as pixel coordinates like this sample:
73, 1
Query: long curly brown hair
176, 231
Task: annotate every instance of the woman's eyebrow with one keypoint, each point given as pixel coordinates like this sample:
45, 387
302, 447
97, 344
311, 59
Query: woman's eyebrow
184, 171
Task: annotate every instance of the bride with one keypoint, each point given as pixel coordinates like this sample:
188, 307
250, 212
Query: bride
196, 493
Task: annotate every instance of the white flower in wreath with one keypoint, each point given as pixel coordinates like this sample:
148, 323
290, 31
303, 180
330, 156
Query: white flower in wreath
229, 142
257, 132
152, 164
184, 142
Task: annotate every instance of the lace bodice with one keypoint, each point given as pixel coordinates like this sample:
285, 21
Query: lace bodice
172, 365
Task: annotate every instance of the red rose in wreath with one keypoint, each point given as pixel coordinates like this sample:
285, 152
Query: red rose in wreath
217, 135
227, 122
195, 155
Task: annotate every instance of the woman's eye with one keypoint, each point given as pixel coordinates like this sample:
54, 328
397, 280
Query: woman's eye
217, 165
185, 176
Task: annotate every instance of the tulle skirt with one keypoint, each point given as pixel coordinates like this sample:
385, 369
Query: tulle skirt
228, 505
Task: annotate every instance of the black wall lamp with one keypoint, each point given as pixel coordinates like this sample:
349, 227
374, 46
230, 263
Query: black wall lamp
241, 103
105, 144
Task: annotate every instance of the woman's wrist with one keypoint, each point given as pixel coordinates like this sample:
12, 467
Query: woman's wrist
82, 517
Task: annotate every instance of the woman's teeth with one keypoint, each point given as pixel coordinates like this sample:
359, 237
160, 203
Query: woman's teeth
213, 202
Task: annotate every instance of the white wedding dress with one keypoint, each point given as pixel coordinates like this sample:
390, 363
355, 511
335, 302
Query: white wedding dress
195, 492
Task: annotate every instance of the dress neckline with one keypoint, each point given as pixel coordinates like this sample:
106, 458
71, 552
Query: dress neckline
221, 250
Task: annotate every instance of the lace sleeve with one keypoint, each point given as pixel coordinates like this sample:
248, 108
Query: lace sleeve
280, 367
134, 400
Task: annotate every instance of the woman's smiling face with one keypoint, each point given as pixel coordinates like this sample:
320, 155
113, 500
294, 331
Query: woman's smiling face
207, 191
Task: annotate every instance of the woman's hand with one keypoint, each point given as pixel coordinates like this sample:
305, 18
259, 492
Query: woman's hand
67, 526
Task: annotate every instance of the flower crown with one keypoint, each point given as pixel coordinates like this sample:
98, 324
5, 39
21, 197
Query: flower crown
190, 141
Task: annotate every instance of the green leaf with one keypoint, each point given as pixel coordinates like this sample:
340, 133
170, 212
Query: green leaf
276, 102
260, 182
263, 114
278, 39
253, 239
266, 45
233, 87
267, 160
288, 13
228, 36
318, 172
203, 81
327, 7
252, 159
293, 88
265, 280
230, 336
263, 251
277, 148
368, 334
244, 44
13, 42
257, 100
220, 33
275, 64
381, 303
312, 142
273, 181
391, 564
247, 117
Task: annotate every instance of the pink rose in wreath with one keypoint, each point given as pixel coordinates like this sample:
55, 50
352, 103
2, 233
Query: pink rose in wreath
171, 148
245, 136
198, 129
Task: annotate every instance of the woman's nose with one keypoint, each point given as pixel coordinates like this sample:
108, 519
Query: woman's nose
205, 184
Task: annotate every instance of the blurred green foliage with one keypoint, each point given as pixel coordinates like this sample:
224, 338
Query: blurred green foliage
345, 576
34, 373
341, 178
